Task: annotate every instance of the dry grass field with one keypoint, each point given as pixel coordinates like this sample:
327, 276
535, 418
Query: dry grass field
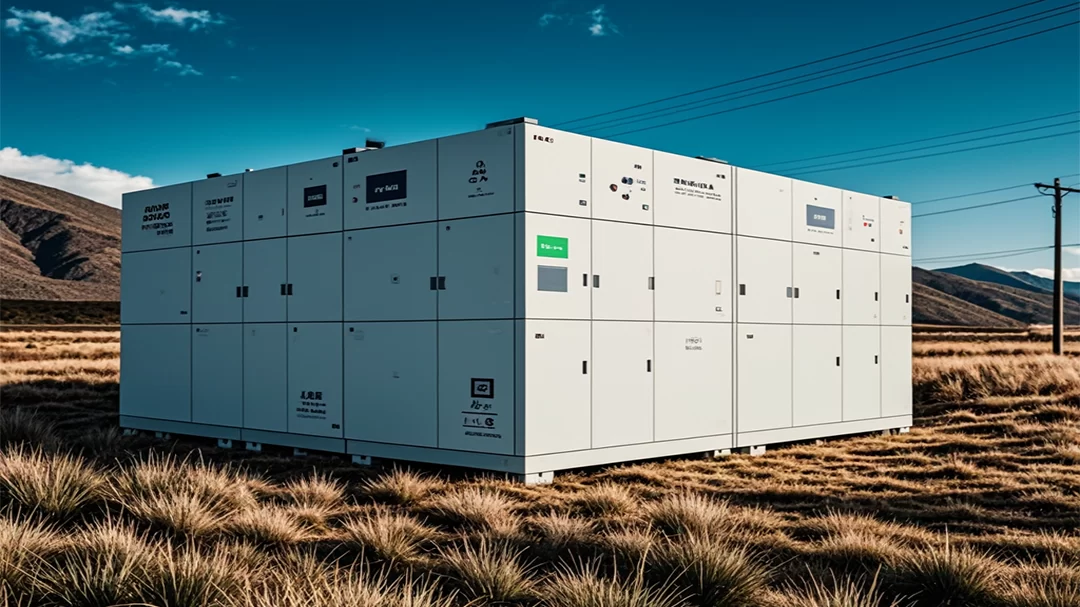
978, 506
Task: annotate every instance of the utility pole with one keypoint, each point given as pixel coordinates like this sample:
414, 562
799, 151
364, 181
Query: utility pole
1059, 290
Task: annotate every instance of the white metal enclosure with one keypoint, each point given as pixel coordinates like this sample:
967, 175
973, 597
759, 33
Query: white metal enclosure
518, 299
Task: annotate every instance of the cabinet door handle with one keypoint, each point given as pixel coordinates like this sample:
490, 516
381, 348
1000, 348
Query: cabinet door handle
245, 291
283, 288
584, 280
648, 366
584, 367
442, 283
239, 291
596, 281
288, 290
433, 283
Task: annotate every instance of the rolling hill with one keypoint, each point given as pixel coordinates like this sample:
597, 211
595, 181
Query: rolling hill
56, 246
1019, 279
1027, 306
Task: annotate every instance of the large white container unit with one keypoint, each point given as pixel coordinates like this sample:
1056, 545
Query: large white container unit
518, 299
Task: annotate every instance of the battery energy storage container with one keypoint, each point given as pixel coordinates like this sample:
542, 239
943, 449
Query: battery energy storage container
517, 299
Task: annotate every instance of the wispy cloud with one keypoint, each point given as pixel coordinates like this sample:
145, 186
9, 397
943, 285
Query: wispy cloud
182, 17
60, 31
601, 24
597, 22
183, 69
1068, 274
100, 38
96, 183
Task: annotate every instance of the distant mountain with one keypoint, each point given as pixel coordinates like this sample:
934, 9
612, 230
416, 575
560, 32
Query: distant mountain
1072, 289
57, 246
1029, 305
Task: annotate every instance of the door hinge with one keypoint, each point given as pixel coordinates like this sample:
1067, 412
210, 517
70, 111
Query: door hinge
283, 288
789, 292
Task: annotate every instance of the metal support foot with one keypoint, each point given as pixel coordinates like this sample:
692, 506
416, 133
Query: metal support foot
297, 452
904, 430
164, 435
361, 460
257, 447
131, 432
536, 478
715, 453
224, 443
755, 450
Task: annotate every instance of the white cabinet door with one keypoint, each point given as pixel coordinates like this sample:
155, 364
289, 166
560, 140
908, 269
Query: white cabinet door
862, 373
476, 266
622, 383
218, 204
762, 205
693, 379
265, 264
391, 387
217, 283
895, 227
896, 392
217, 375
558, 265
763, 289
815, 214
622, 265
314, 288
622, 185
391, 186
156, 219
557, 171
693, 276
763, 399
895, 290
861, 289
861, 226
692, 193
265, 195
817, 375
476, 386
816, 274
155, 372
155, 286
266, 374
476, 173
315, 196
388, 273
315, 376
558, 374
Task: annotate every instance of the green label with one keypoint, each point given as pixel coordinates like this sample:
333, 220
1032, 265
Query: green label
552, 246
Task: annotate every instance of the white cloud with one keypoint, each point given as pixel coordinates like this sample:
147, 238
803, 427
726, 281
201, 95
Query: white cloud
601, 23
183, 69
96, 183
60, 30
1069, 274
172, 15
123, 50
144, 49
74, 58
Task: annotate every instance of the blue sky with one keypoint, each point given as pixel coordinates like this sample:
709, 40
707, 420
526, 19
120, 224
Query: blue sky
98, 97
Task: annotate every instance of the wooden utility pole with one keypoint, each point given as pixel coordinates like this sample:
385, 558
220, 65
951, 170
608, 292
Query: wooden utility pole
1059, 290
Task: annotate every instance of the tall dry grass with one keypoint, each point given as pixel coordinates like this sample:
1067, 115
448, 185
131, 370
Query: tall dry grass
978, 505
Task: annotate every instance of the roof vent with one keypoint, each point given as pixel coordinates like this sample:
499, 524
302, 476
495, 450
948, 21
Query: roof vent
711, 159
248, 170
521, 120
373, 144
212, 175
891, 197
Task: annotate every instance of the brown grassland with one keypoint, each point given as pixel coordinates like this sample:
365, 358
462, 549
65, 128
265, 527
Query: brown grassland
979, 505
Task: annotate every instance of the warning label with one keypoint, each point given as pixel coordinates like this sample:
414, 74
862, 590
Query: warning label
691, 188
311, 406
218, 213
481, 419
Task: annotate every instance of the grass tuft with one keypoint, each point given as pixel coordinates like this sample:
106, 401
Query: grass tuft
716, 574
489, 572
58, 485
584, 585
316, 490
475, 509
19, 426
390, 536
604, 500
947, 577
401, 487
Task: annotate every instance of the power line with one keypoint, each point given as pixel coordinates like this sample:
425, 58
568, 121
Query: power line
836, 70
990, 256
960, 257
977, 206
936, 137
803, 169
846, 82
1011, 187
807, 64
977, 147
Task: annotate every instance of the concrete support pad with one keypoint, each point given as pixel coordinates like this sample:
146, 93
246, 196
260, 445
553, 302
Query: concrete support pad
535, 478
753, 450
256, 447
361, 460
224, 443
